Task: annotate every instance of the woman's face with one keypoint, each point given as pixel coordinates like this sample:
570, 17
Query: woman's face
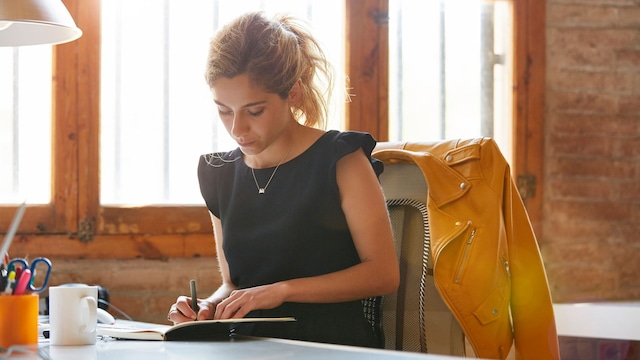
254, 118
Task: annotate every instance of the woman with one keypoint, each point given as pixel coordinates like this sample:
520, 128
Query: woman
299, 217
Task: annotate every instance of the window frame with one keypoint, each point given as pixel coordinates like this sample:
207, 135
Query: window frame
75, 225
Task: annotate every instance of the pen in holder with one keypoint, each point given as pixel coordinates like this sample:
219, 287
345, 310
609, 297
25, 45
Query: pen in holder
18, 320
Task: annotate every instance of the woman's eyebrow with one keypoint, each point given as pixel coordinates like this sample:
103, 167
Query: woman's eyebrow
244, 106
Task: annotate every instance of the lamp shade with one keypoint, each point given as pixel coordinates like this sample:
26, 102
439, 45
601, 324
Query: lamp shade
36, 22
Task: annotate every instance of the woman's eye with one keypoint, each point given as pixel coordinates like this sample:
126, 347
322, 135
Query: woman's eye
256, 113
224, 112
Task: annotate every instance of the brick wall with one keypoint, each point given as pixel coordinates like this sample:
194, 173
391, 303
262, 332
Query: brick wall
143, 289
591, 220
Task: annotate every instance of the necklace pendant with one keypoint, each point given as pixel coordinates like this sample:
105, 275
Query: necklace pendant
261, 191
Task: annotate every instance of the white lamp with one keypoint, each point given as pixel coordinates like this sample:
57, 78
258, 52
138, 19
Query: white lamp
36, 22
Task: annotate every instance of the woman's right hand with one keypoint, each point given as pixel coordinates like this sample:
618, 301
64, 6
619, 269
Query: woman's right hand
181, 311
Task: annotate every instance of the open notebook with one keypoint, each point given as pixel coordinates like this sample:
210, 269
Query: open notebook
192, 330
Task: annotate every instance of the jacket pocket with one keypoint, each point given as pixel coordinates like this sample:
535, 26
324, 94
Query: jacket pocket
492, 308
465, 252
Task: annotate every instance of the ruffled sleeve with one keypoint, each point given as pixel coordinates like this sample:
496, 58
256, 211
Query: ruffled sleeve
350, 141
216, 176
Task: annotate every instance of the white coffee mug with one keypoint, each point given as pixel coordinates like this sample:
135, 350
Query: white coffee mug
72, 314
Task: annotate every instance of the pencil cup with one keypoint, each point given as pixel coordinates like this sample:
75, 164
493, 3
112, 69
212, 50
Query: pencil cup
18, 320
73, 314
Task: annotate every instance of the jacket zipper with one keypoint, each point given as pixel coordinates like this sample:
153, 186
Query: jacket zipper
467, 249
505, 262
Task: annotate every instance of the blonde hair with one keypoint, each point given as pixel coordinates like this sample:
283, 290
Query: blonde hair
274, 54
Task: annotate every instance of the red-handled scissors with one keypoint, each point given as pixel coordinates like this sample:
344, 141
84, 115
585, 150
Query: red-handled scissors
24, 283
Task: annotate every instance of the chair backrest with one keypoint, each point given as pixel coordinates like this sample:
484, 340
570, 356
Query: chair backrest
415, 318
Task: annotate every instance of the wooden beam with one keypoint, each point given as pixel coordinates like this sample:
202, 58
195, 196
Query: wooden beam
154, 220
133, 246
367, 53
87, 70
64, 160
529, 92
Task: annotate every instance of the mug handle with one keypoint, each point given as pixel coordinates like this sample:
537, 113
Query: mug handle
89, 319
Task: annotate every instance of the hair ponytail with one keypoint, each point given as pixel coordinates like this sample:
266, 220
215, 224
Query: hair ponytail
275, 54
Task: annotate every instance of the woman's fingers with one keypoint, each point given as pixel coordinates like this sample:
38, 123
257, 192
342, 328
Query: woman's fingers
206, 309
241, 302
181, 311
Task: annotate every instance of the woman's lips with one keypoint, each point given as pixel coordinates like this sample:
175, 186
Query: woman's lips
245, 143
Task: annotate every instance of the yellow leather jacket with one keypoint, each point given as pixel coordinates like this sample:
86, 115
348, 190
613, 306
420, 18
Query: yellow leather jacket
487, 265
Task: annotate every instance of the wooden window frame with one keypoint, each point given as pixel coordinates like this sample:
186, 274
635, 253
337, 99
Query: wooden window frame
367, 67
76, 226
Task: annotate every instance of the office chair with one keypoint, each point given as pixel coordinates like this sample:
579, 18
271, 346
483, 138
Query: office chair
414, 318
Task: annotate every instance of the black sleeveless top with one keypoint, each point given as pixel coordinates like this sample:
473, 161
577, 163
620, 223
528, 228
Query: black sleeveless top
295, 229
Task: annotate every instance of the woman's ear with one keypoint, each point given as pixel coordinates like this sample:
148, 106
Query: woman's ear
295, 94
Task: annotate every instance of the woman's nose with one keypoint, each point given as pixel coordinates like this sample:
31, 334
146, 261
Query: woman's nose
239, 127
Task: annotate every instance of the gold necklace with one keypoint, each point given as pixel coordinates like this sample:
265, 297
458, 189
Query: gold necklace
262, 190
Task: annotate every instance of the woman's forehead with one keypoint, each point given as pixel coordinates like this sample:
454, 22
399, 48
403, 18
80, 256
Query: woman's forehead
238, 91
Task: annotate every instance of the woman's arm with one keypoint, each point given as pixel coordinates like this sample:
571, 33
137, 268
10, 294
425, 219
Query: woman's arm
207, 306
368, 220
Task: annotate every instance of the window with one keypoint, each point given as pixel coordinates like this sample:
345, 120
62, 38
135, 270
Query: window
452, 78
77, 205
157, 115
25, 124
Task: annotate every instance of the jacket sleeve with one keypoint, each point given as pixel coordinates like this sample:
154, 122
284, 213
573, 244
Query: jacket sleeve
531, 306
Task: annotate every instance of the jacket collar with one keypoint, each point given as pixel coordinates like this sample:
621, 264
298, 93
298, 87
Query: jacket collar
444, 183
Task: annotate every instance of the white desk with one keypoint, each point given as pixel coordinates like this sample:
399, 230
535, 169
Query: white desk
249, 349
606, 320
238, 349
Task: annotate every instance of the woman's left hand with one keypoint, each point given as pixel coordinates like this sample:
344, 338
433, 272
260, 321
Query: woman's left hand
240, 302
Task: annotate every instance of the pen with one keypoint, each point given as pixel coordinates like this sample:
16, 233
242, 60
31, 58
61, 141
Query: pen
194, 298
4, 274
11, 279
23, 282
